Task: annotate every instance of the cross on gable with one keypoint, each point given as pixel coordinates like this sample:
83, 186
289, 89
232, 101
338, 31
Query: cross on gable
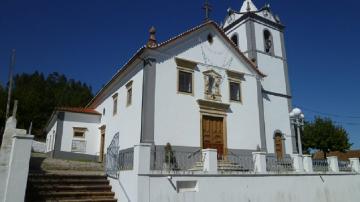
207, 7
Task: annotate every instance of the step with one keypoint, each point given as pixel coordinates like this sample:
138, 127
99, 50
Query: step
76, 195
68, 181
62, 176
75, 188
89, 200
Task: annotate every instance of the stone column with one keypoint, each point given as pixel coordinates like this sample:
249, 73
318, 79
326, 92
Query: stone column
307, 161
210, 165
333, 163
19, 166
355, 164
298, 162
259, 162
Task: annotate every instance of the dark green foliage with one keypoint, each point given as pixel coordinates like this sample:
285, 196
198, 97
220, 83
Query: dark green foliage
2, 107
322, 134
39, 95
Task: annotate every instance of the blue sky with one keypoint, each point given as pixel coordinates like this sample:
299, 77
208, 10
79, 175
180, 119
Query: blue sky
90, 39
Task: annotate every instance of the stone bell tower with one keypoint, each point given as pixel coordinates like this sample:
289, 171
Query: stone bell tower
259, 34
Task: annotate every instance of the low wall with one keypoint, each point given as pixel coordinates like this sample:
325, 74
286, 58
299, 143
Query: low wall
255, 188
125, 187
39, 147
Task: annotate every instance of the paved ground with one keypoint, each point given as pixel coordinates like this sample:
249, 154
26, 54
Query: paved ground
41, 163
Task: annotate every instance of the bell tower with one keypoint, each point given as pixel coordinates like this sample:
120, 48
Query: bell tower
259, 34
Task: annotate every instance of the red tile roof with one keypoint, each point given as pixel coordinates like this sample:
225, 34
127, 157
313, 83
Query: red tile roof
78, 110
341, 155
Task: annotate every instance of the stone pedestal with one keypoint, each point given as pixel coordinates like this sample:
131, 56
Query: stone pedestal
355, 165
259, 159
142, 155
210, 161
298, 162
333, 163
307, 162
19, 167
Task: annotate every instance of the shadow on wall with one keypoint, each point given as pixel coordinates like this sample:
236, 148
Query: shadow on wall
36, 161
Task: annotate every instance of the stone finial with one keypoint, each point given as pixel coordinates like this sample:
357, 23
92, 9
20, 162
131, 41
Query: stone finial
152, 39
248, 9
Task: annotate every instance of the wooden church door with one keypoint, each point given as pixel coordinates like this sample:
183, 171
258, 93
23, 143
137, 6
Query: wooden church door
279, 146
213, 134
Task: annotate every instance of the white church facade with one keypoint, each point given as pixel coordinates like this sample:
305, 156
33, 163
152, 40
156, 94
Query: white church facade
203, 116
221, 87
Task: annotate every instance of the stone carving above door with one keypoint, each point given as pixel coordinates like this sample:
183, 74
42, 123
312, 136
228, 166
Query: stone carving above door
212, 83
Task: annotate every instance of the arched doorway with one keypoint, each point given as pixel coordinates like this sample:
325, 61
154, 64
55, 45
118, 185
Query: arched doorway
279, 145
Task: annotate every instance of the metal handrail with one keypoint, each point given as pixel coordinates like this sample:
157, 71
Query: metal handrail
193, 154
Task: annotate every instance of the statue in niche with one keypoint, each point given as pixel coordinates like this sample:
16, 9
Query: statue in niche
212, 81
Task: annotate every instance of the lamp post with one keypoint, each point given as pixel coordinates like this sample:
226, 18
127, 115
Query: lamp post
297, 119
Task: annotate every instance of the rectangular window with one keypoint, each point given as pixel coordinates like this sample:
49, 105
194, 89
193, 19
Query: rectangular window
79, 132
129, 96
235, 93
115, 104
185, 84
129, 93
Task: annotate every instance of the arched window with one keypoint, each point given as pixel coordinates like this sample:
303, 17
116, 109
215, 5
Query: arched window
279, 145
268, 42
234, 39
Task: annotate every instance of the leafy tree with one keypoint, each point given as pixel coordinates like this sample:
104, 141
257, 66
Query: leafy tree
322, 134
39, 95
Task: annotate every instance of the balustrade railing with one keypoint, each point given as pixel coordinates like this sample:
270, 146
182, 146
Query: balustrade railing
175, 161
240, 162
320, 165
344, 166
126, 159
279, 165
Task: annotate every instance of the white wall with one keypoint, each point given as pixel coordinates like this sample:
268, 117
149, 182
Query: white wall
177, 116
125, 187
277, 119
127, 121
329, 188
276, 108
50, 136
92, 134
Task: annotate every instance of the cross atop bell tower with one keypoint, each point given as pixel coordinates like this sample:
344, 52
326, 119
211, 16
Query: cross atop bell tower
208, 8
248, 6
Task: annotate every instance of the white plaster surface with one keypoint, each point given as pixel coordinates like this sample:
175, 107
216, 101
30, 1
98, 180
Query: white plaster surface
177, 116
127, 121
92, 134
330, 188
38, 146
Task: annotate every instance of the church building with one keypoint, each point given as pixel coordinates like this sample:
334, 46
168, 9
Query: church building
221, 87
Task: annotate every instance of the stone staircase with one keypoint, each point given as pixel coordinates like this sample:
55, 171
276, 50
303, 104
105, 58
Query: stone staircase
67, 181
68, 187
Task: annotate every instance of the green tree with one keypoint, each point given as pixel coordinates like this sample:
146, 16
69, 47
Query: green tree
38, 95
322, 134
3, 97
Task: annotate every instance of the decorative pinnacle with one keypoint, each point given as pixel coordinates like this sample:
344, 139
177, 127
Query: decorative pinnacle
248, 7
152, 38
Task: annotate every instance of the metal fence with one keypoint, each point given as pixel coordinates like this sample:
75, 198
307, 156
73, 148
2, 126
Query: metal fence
240, 163
320, 165
344, 166
279, 165
112, 157
126, 159
175, 161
